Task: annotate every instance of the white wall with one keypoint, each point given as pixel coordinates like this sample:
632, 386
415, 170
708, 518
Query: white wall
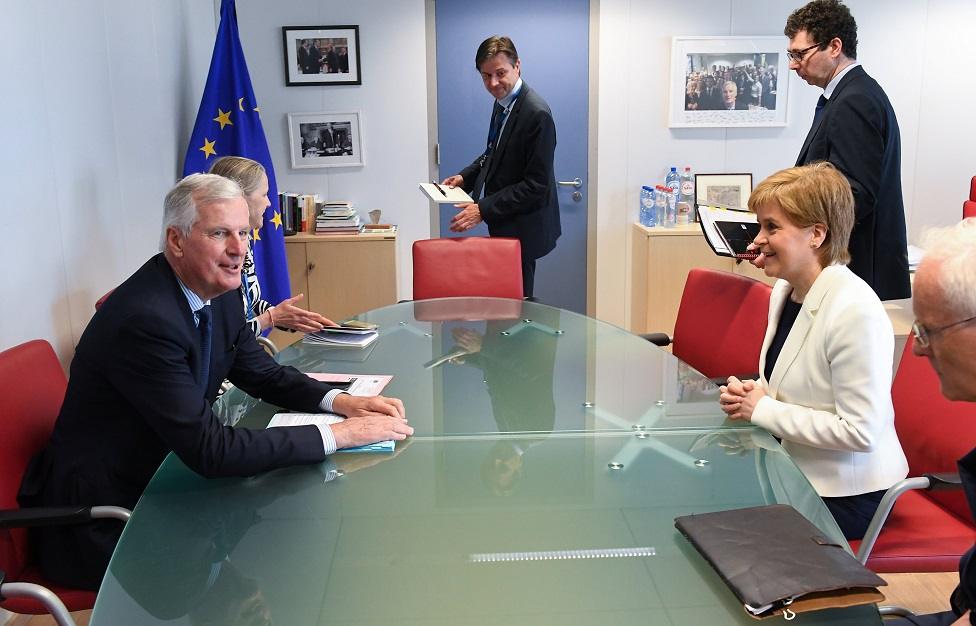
100, 95
914, 48
97, 98
392, 101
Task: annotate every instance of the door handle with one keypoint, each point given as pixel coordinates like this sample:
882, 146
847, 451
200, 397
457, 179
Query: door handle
576, 182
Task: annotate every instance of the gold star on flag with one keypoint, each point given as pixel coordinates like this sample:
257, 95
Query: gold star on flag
240, 103
223, 117
208, 147
257, 109
276, 220
257, 234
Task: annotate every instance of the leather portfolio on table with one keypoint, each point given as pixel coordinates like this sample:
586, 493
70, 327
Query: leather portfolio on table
776, 562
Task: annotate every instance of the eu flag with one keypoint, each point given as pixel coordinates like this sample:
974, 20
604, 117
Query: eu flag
229, 124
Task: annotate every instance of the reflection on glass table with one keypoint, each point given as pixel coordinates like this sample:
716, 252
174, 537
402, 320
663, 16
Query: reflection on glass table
486, 365
584, 536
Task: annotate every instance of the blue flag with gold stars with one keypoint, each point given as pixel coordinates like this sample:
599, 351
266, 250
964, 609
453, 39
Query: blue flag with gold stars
229, 124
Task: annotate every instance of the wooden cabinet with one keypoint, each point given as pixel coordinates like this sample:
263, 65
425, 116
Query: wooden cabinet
340, 275
661, 260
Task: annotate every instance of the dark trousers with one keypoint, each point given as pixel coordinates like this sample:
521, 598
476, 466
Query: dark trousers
528, 276
854, 513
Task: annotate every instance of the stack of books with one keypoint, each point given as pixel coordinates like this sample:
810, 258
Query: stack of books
336, 217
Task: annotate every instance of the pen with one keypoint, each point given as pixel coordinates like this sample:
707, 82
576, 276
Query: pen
443, 193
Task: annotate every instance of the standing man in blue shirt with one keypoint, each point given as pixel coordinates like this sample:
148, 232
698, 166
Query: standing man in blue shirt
512, 182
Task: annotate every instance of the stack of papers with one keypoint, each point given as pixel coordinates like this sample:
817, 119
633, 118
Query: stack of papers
336, 217
302, 419
342, 337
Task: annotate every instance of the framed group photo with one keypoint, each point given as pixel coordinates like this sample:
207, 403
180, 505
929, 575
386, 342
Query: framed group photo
728, 81
321, 55
328, 139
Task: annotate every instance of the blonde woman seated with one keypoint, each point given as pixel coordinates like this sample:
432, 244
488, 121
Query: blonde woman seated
825, 364
261, 314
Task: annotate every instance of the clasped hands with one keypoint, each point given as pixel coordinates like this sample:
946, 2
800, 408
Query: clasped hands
369, 419
470, 214
739, 398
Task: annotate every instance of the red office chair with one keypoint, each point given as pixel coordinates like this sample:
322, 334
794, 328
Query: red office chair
32, 387
721, 323
467, 266
930, 527
101, 301
969, 206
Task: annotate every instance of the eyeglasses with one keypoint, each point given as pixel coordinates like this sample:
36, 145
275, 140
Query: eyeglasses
923, 335
797, 57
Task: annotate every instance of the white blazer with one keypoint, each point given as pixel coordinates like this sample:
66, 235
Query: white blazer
829, 397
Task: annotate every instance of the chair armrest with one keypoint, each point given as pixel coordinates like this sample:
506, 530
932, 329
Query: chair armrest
59, 516
658, 339
928, 482
944, 481
53, 604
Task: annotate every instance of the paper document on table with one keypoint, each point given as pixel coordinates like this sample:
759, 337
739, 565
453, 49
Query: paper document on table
443, 193
304, 419
357, 384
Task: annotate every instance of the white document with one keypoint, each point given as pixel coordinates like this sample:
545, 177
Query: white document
709, 215
304, 419
341, 340
359, 384
444, 194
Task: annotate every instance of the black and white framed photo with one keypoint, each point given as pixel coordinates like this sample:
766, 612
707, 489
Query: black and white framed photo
329, 139
321, 55
723, 190
728, 81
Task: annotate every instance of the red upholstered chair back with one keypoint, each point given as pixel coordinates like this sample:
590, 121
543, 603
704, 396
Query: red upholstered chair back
101, 301
467, 266
32, 386
969, 209
721, 323
934, 432
969, 206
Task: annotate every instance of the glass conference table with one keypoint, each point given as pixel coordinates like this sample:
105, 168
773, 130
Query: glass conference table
552, 453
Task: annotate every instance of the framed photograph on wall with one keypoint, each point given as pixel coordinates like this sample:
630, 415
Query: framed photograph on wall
321, 55
328, 139
728, 81
723, 190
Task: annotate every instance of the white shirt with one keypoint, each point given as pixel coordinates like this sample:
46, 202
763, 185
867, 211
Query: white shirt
829, 89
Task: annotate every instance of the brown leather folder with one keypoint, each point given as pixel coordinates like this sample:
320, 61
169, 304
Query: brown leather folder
776, 562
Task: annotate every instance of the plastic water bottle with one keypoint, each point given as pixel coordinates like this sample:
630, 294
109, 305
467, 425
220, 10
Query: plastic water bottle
660, 205
648, 215
686, 198
671, 216
673, 180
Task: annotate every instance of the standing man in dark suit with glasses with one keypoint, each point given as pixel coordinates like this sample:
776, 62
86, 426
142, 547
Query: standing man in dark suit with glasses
512, 182
854, 128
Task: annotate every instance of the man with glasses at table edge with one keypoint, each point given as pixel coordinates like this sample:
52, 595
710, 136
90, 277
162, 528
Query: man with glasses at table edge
945, 333
854, 127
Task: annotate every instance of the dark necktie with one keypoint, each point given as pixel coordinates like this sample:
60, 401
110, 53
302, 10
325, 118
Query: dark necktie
206, 334
820, 107
497, 119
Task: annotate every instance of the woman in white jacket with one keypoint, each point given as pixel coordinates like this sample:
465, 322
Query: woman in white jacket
825, 364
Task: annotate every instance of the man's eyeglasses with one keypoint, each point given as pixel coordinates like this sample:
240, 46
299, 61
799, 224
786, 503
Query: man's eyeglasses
923, 335
797, 57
